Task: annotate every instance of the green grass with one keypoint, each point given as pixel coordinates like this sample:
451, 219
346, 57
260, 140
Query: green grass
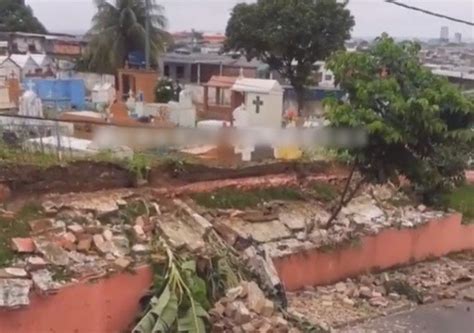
228, 198
16, 227
462, 200
322, 191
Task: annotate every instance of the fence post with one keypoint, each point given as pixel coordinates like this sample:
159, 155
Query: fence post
58, 140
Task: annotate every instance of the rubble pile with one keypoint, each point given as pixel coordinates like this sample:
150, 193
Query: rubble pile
245, 309
285, 227
76, 240
373, 295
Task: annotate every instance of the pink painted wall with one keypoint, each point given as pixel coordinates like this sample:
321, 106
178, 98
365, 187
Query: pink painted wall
388, 249
109, 305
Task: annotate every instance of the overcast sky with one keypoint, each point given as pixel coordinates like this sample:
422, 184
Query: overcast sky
372, 16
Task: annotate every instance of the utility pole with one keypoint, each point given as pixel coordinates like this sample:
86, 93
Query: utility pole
147, 33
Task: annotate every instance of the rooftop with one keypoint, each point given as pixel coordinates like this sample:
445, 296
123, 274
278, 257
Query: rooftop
201, 58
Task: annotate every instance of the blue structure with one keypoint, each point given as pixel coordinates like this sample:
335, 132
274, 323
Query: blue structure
60, 93
136, 59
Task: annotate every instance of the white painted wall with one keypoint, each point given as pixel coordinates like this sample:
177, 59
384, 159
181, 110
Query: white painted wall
271, 112
24, 42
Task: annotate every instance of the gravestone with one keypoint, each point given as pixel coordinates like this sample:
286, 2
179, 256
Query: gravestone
262, 109
183, 113
131, 101
103, 93
30, 103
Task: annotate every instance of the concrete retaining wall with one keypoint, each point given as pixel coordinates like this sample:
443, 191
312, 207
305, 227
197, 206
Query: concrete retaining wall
109, 305
388, 249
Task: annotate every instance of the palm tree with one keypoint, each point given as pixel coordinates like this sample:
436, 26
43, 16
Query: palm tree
118, 28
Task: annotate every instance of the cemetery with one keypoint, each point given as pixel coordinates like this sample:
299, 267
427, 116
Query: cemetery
284, 185
251, 193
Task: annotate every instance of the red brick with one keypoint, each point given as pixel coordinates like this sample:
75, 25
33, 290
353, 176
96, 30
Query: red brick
23, 245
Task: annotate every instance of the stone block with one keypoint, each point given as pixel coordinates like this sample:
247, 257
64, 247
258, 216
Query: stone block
23, 245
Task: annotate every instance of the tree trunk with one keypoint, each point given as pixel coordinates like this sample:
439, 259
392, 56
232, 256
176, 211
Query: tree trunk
346, 195
300, 98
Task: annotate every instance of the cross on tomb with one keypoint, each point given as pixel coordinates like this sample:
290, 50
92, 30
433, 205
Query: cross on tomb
31, 85
258, 103
12, 75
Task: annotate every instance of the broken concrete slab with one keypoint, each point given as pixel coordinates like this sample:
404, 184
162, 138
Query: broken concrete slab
52, 252
14, 292
120, 246
199, 219
16, 272
260, 232
34, 263
294, 220
179, 233
43, 281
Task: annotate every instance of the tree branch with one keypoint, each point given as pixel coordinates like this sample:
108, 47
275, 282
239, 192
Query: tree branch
344, 201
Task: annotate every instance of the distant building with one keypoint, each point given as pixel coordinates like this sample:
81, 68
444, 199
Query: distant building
56, 45
458, 38
8, 69
444, 34
199, 68
3, 48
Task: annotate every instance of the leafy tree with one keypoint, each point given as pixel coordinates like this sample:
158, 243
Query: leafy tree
418, 124
289, 35
16, 16
164, 91
119, 28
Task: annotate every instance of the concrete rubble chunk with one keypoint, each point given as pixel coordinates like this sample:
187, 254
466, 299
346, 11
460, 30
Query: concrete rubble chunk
101, 244
246, 308
179, 233
261, 232
52, 252
258, 216
237, 292
203, 223
263, 266
139, 233
76, 228
242, 314
43, 281
36, 263
255, 297
108, 235
23, 245
99, 203
15, 272
84, 244
140, 249
341, 287
294, 220
14, 292
121, 246
122, 263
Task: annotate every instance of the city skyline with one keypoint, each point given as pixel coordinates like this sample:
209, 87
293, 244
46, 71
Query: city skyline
373, 17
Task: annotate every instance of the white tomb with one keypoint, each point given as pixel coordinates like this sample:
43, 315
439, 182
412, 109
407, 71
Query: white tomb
183, 113
263, 102
30, 103
103, 93
262, 109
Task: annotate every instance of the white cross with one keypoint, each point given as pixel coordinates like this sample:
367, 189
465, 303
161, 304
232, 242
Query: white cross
30, 84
